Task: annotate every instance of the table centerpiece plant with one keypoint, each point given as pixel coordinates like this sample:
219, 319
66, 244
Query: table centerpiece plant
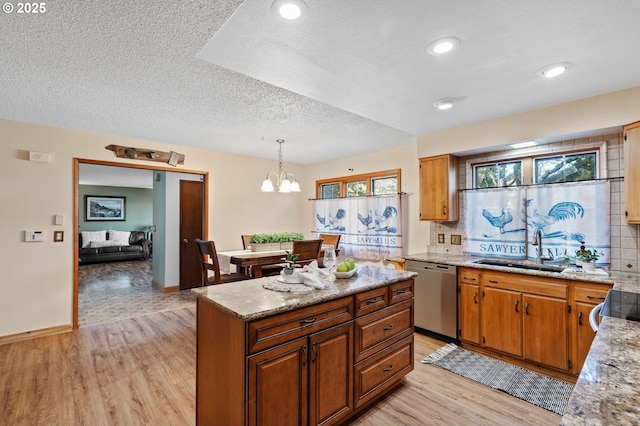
274, 241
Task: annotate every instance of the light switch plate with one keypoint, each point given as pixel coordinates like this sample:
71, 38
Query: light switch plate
456, 240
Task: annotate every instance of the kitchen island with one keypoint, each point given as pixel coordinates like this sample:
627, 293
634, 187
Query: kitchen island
312, 357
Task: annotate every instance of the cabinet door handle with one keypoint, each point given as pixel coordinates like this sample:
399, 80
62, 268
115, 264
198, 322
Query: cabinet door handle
475, 296
580, 318
305, 353
308, 321
372, 301
469, 278
314, 349
493, 282
444, 210
389, 368
526, 308
516, 305
389, 327
595, 297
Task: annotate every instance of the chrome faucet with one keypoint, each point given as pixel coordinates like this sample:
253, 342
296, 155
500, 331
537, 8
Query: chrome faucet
537, 241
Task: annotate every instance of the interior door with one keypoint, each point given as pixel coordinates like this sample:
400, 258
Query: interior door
191, 227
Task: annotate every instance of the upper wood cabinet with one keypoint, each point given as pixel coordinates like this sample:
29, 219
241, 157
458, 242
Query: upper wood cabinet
632, 173
438, 188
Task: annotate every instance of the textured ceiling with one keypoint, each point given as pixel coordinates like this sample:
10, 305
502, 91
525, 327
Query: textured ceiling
352, 77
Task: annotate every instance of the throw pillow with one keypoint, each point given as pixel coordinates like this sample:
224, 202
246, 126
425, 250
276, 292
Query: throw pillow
107, 243
88, 236
121, 236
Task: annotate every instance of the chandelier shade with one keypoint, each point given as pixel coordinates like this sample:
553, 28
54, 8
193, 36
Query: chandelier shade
285, 182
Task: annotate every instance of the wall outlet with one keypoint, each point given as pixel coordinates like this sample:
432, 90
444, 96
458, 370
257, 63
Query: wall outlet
440, 238
58, 236
456, 240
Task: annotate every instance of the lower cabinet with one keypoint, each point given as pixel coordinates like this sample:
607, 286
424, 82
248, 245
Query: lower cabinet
469, 299
502, 320
307, 378
585, 297
533, 320
317, 365
544, 330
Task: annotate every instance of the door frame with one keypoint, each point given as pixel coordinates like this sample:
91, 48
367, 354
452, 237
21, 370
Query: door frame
76, 203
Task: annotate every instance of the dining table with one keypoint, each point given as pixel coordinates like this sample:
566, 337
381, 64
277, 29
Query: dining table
251, 262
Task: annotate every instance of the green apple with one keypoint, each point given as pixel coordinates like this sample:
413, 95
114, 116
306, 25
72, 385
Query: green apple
342, 267
350, 262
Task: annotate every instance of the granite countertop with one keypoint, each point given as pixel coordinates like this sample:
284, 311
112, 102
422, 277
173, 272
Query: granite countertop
605, 392
249, 300
621, 280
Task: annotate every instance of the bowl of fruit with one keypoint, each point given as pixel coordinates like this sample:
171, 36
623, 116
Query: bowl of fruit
346, 269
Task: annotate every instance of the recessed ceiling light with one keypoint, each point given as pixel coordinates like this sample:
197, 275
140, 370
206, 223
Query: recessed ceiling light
444, 104
289, 10
554, 70
443, 46
525, 144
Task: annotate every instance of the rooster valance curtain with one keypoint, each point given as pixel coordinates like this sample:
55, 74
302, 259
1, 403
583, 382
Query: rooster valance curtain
370, 227
502, 222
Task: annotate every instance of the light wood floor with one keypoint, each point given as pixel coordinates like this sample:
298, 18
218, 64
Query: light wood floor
142, 371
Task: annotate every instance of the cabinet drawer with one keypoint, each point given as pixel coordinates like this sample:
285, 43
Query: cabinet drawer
267, 332
370, 301
532, 284
589, 294
378, 373
401, 291
469, 275
382, 328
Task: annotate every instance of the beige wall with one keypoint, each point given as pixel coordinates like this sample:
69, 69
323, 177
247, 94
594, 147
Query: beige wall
37, 278
598, 112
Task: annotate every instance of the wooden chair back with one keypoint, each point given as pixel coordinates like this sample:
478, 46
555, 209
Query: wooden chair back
307, 250
333, 239
210, 262
246, 240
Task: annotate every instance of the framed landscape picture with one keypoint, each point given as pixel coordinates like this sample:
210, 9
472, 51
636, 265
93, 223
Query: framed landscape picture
104, 207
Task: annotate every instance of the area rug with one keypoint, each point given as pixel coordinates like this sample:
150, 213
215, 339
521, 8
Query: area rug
534, 388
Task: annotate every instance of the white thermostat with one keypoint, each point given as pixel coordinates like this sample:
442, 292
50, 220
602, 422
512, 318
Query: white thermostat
34, 235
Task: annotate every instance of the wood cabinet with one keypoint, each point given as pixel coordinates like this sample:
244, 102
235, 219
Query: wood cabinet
469, 299
632, 173
544, 331
438, 188
314, 365
585, 296
538, 322
526, 316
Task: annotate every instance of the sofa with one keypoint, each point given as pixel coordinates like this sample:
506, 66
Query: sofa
111, 246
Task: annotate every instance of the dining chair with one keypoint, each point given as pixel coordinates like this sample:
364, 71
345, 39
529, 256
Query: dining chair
334, 240
307, 250
246, 241
210, 263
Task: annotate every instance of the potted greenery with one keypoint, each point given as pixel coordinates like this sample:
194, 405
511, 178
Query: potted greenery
587, 257
274, 241
289, 273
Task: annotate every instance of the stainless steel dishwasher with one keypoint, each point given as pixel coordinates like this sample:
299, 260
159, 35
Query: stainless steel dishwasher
435, 298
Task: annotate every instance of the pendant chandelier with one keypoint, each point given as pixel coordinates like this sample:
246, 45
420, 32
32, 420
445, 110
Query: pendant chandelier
286, 182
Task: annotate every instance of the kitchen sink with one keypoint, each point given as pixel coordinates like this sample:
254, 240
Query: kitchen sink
518, 265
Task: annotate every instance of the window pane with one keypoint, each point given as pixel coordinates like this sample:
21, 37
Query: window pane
330, 190
388, 185
497, 175
566, 168
356, 189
